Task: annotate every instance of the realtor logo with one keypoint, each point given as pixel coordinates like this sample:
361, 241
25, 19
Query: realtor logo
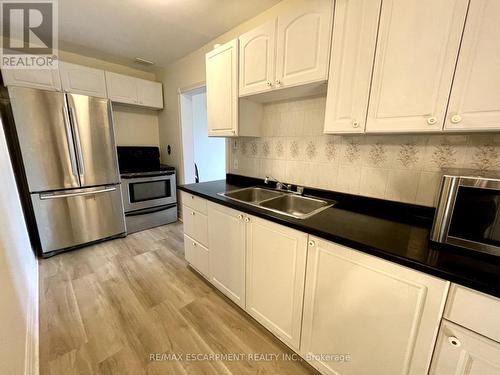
29, 34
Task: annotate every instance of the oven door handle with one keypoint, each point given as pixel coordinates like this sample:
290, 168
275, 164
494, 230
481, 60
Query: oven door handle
150, 210
166, 174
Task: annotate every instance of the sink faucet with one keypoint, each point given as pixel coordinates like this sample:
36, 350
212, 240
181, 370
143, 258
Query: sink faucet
281, 186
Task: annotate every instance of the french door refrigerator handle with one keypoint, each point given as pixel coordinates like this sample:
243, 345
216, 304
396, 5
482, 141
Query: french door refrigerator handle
69, 138
67, 195
81, 162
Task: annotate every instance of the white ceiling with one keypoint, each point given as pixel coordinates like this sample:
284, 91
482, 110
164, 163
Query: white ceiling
157, 30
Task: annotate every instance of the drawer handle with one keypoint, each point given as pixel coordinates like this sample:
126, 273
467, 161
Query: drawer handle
454, 341
312, 243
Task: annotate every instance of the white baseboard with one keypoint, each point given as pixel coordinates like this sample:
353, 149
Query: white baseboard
32, 366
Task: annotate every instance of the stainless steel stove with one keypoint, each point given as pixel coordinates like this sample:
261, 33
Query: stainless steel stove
148, 188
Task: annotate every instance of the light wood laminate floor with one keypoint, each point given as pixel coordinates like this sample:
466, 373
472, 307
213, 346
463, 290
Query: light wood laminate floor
106, 308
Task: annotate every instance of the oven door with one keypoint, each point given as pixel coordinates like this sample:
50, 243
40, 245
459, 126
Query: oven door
145, 192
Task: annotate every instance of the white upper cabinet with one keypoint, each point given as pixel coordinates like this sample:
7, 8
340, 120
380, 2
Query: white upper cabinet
226, 241
149, 93
46, 79
131, 90
276, 266
303, 44
475, 97
417, 48
257, 57
463, 352
222, 90
121, 88
351, 63
83, 80
385, 316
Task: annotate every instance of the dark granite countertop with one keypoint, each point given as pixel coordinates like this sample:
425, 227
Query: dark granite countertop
393, 231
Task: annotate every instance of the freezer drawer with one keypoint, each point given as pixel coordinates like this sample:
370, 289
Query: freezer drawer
74, 217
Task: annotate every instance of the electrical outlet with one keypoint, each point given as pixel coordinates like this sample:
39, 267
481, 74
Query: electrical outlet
235, 164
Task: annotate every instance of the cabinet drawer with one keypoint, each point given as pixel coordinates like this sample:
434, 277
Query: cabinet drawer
195, 225
194, 202
196, 255
477, 311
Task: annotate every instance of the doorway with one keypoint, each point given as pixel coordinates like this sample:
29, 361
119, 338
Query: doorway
204, 158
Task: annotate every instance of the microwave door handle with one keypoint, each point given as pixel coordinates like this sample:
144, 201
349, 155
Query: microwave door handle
80, 194
81, 163
69, 139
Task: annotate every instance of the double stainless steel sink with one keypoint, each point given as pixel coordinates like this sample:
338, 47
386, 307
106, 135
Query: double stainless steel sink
282, 202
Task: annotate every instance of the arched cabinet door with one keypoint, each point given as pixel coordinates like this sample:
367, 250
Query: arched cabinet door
303, 44
475, 97
257, 57
414, 64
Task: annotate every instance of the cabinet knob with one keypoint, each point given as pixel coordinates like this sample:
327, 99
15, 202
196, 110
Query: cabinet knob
192, 213
240, 216
192, 196
455, 119
454, 341
278, 82
194, 243
247, 220
431, 120
311, 243
269, 83
355, 124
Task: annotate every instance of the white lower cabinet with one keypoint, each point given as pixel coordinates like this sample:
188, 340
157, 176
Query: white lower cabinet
195, 225
275, 276
196, 255
226, 238
382, 317
460, 352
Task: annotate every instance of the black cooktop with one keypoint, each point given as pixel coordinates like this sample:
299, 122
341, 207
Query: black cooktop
141, 160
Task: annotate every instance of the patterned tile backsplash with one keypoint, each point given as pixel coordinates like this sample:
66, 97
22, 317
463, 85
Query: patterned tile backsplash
404, 168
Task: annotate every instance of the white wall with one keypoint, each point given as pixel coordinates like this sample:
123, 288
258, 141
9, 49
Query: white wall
135, 126
18, 279
209, 152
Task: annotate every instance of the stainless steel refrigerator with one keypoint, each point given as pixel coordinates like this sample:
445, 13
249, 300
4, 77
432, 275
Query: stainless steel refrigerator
69, 157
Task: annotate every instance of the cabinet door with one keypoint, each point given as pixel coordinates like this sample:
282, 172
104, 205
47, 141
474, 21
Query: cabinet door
79, 79
303, 44
195, 225
257, 53
385, 317
417, 49
460, 352
475, 97
353, 48
121, 88
222, 90
196, 255
276, 266
46, 79
149, 93
226, 238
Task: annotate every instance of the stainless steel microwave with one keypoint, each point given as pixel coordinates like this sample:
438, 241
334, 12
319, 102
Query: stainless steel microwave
468, 213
